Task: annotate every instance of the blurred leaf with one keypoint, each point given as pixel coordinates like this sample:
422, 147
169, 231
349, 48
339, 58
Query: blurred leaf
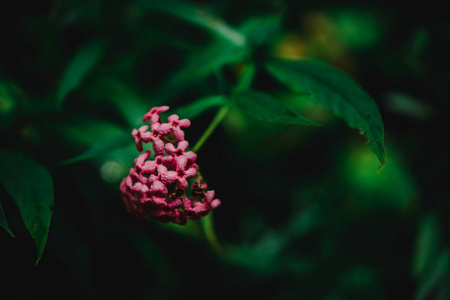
261, 258
9, 95
259, 29
128, 102
154, 258
266, 108
82, 63
100, 148
199, 106
200, 65
198, 17
304, 221
336, 91
3, 222
434, 275
421, 41
7, 101
246, 78
427, 245
357, 28
74, 253
101, 137
390, 188
409, 106
31, 187
357, 277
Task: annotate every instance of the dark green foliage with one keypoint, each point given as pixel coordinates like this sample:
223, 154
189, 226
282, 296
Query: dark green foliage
31, 187
305, 214
266, 108
336, 92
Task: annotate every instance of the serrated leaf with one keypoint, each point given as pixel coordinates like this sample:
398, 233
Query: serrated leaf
83, 62
199, 106
3, 222
31, 187
337, 92
266, 108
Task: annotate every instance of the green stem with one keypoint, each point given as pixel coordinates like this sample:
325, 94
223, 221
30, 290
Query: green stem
215, 122
208, 229
207, 222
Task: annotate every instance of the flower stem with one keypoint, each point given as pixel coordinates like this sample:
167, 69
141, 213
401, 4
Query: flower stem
208, 229
215, 122
207, 221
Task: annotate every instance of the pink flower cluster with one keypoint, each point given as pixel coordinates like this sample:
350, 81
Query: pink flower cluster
160, 187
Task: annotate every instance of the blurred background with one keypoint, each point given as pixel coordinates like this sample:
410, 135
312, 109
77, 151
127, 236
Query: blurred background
304, 213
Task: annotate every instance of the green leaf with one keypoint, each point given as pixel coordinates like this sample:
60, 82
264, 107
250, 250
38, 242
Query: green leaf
427, 245
199, 17
392, 188
127, 102
260, 29
198, 66
98, 136
199, 106
83, 62
357, 28
266, 108
3, 222
337, 92
31, 187
434, 275
100, 148
245, 78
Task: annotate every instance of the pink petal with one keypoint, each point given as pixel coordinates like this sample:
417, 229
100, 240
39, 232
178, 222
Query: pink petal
138, 177
182, 183
160, 201
128, 181
123, 185
175, 203
178, 133
170, 148
182, 145
139, 161
184, 123
158, 188
153, 114
149, 167
152, 178
215, 203
191, 156
191, 172
146, 136
138, 187
143, 128
168, 159
181, 162
169, 177
173, 118
163, 129
209, 196
158, 146
161, 169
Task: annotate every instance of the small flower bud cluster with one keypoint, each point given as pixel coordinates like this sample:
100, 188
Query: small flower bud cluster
159, 188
